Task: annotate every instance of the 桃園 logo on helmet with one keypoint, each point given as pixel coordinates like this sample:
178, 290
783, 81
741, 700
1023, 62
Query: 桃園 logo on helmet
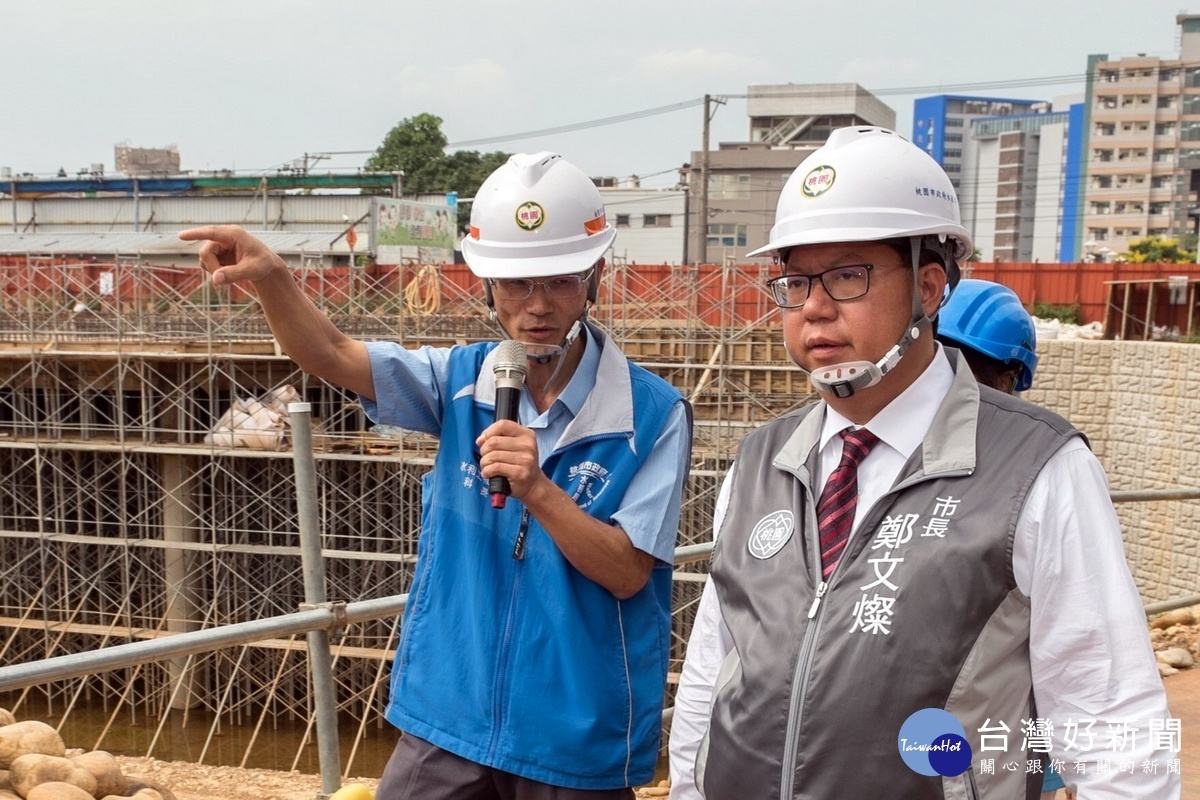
818, 180
530, 215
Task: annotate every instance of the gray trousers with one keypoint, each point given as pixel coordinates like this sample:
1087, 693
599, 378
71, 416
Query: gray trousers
419, 771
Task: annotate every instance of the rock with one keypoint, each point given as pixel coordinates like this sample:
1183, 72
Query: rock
1176, 657
136, 784
57, 790
144, 793
34, 769
106, 771
1180, 616
1164, 670
31, 736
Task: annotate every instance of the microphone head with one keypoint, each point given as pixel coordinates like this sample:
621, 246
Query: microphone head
510, 358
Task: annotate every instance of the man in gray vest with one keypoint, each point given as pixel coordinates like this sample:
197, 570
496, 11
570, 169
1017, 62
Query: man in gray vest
918, 588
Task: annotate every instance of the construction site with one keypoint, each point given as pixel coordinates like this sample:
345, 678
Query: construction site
151, 485
144, 433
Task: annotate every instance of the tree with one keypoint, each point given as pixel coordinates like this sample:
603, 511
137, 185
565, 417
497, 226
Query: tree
1158, 250
417, 147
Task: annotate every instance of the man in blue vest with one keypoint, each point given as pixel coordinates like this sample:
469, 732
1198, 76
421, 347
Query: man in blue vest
926, 610
533, 653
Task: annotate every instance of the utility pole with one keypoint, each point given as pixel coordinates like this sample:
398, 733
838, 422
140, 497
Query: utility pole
709, 110
702, 227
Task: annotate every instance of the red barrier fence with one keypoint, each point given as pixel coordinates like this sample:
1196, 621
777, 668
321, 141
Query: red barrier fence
1121, 296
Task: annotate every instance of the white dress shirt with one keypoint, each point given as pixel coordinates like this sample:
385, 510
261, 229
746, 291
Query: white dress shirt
1090, 649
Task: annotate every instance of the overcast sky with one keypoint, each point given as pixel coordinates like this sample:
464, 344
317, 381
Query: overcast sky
251, 85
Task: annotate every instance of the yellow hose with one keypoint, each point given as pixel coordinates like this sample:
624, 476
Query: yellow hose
423, 295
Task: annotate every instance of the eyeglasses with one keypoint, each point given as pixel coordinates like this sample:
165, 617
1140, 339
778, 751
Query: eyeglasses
841, 283
561, 287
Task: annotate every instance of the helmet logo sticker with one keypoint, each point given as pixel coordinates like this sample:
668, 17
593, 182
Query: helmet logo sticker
530, 215
771, 533
818, 180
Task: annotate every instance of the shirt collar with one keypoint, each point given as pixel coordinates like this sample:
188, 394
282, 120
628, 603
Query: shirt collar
576, 392
902, 423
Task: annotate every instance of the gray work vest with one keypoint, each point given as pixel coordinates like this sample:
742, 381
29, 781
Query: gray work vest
921, 612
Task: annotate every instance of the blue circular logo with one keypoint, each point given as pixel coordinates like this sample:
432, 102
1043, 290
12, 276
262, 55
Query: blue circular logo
933, 742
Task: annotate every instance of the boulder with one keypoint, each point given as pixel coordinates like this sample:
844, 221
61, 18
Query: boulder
31, 736
34, 769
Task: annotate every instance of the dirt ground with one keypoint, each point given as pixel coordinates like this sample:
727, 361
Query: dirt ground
198, 782
189, 781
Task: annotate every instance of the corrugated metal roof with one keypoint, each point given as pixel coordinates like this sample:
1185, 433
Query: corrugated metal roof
158, 213
159, 243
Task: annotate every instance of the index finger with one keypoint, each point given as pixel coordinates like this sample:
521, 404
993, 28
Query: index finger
223, 234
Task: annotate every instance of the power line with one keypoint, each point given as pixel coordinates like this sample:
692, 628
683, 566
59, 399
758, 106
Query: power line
577, 126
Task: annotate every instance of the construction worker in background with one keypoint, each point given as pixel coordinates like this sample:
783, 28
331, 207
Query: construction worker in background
533, 655
986, 322
916, 582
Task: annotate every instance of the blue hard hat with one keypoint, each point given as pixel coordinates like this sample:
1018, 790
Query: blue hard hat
989, 317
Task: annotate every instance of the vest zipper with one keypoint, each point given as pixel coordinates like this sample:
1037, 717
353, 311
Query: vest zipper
799, 685
969, 780
502, 659
812, 610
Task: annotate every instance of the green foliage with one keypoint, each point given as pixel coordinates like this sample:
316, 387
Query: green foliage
417, 147
1158, 250
1070, 314
410, 147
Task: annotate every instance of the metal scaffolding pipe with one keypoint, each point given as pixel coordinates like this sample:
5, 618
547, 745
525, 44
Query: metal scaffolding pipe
75, 665
319, 660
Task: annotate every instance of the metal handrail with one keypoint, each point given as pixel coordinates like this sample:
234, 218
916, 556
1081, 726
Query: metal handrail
334, 615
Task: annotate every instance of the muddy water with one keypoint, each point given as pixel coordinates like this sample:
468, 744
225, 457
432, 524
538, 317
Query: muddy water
283, 746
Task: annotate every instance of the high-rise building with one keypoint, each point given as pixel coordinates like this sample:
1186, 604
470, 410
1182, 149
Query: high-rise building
942, 123
1018, 173
1141, 146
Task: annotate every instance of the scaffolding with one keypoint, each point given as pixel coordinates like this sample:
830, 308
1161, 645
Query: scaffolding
123, 518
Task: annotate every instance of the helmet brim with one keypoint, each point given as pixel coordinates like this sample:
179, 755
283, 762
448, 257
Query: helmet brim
499, 260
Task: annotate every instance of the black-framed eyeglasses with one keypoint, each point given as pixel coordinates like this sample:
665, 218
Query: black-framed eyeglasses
561, 287
841, 283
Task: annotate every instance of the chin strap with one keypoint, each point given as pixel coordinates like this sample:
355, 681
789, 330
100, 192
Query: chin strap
543, 353
843, 380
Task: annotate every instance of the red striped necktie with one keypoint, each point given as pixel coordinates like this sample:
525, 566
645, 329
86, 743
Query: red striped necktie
839, 498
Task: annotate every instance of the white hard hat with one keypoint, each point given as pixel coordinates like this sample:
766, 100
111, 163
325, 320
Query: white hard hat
866, 184
537, 215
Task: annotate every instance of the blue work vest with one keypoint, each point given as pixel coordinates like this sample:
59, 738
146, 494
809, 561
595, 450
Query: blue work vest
509, 656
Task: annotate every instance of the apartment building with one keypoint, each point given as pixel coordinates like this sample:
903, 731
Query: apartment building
1142, 146
1017, 171
942, 123
786, 123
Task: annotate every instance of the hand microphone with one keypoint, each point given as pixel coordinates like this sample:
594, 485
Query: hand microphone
510, 376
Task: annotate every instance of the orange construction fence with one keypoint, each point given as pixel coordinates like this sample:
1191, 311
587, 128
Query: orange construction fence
715, 294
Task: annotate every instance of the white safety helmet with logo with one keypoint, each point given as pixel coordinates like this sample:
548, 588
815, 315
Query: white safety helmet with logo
869, 184
536, 216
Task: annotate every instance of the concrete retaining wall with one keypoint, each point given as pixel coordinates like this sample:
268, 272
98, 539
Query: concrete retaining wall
1139, 404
